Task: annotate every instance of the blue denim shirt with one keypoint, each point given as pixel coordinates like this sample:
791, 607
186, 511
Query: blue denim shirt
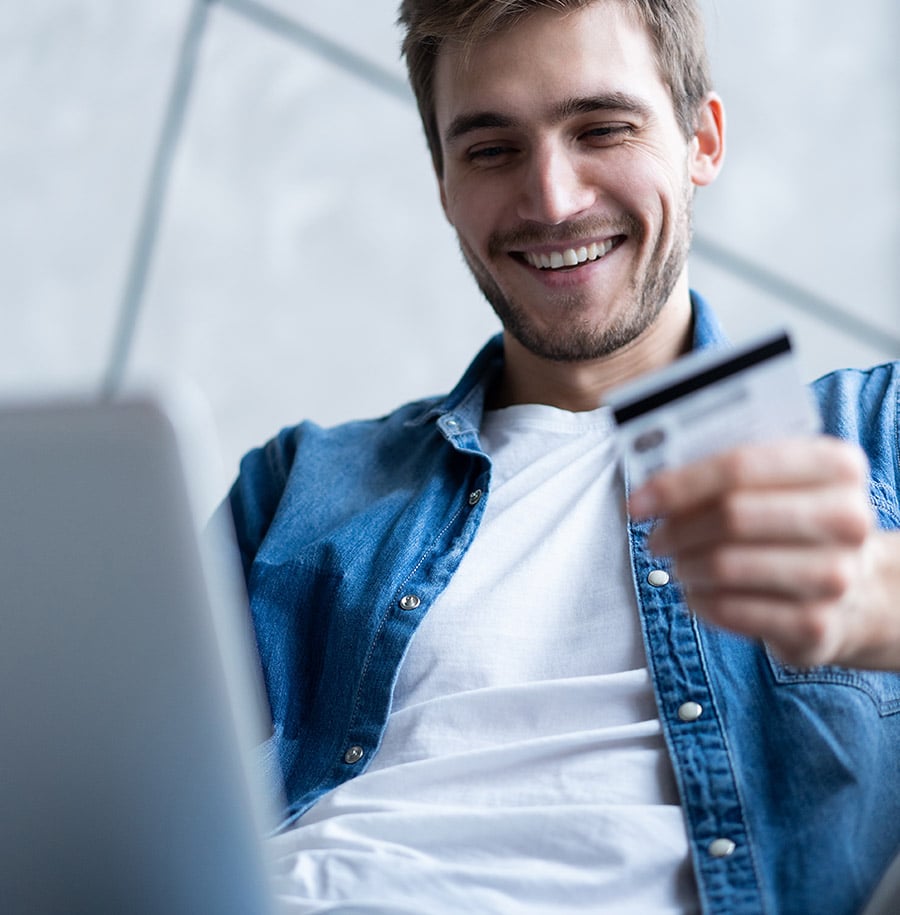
349, 534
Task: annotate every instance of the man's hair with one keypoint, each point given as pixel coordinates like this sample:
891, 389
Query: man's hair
675, 28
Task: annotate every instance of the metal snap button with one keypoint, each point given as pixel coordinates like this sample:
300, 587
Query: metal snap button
658, 578
721, 848
690, 711
410, 602
353, 755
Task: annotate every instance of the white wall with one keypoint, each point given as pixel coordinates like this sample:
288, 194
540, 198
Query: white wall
303, 267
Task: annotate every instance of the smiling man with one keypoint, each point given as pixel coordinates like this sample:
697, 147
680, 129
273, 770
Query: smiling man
497, 684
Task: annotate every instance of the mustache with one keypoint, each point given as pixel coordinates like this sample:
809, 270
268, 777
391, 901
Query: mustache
534, 233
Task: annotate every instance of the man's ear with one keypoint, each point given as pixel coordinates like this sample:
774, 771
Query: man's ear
708, 143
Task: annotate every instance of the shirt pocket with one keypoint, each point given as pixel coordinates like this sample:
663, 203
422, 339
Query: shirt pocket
882, 687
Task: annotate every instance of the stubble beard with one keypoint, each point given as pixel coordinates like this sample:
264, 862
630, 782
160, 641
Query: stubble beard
575, 338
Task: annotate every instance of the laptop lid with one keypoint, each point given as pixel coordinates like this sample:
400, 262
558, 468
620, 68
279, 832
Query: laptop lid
127, 697
886, 899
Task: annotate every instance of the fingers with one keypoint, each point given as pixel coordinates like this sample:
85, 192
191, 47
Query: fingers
797, 573
804, 602
776, 541
838, 608
796, 463
802, 634
839, 514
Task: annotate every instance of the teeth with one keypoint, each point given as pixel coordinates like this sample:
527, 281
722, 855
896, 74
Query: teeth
569, 257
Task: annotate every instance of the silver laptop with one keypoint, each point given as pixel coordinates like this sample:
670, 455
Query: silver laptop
886, 900
129, 700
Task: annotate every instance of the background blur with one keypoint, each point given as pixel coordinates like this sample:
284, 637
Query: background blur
240, 192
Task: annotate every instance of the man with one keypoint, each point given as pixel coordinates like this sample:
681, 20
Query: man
490, 692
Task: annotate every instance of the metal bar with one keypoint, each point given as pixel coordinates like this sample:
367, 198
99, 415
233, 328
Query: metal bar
324, 47
799, 298
154, 199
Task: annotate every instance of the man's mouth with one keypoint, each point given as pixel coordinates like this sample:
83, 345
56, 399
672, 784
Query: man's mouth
563, 258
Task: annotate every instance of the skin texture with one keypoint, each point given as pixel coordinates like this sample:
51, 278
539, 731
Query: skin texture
558, 132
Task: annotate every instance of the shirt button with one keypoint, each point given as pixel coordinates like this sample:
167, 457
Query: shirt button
353, 755
658, 578
690, 711
475, 497
452, 423
721, 848
410, 602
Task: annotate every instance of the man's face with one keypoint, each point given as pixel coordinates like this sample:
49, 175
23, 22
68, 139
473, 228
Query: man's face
567, 178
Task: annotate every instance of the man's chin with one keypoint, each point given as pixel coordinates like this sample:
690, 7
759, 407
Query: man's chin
572, 340
574, 347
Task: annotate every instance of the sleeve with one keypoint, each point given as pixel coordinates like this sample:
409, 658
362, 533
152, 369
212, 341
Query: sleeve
257, 492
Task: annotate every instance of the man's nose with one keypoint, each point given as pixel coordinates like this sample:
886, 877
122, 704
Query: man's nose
554, 188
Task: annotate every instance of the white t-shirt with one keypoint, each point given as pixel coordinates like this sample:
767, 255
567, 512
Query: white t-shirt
523, 768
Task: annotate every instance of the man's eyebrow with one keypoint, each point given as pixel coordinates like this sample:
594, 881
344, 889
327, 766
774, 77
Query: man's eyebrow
608, 101
466, 123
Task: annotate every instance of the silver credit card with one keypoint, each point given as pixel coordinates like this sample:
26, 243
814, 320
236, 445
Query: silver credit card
708, 401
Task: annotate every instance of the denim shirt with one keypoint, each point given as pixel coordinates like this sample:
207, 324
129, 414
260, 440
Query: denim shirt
789, 778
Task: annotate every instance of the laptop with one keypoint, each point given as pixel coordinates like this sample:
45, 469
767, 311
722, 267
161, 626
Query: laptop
886, 900
130, 699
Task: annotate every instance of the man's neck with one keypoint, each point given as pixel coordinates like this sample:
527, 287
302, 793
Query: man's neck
580, 386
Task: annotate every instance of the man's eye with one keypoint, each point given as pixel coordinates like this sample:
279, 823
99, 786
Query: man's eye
607, 133
489, 155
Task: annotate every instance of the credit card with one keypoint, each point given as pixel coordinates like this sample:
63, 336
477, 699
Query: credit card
711, 400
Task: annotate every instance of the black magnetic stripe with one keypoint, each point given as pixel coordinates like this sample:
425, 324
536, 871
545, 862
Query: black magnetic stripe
716, 373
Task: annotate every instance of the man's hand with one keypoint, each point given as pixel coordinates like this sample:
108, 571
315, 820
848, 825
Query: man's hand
778, 541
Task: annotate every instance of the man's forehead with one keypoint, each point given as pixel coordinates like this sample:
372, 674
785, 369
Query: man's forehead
585, 53
465, 47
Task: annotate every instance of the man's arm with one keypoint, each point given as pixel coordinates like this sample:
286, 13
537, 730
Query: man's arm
778, 541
